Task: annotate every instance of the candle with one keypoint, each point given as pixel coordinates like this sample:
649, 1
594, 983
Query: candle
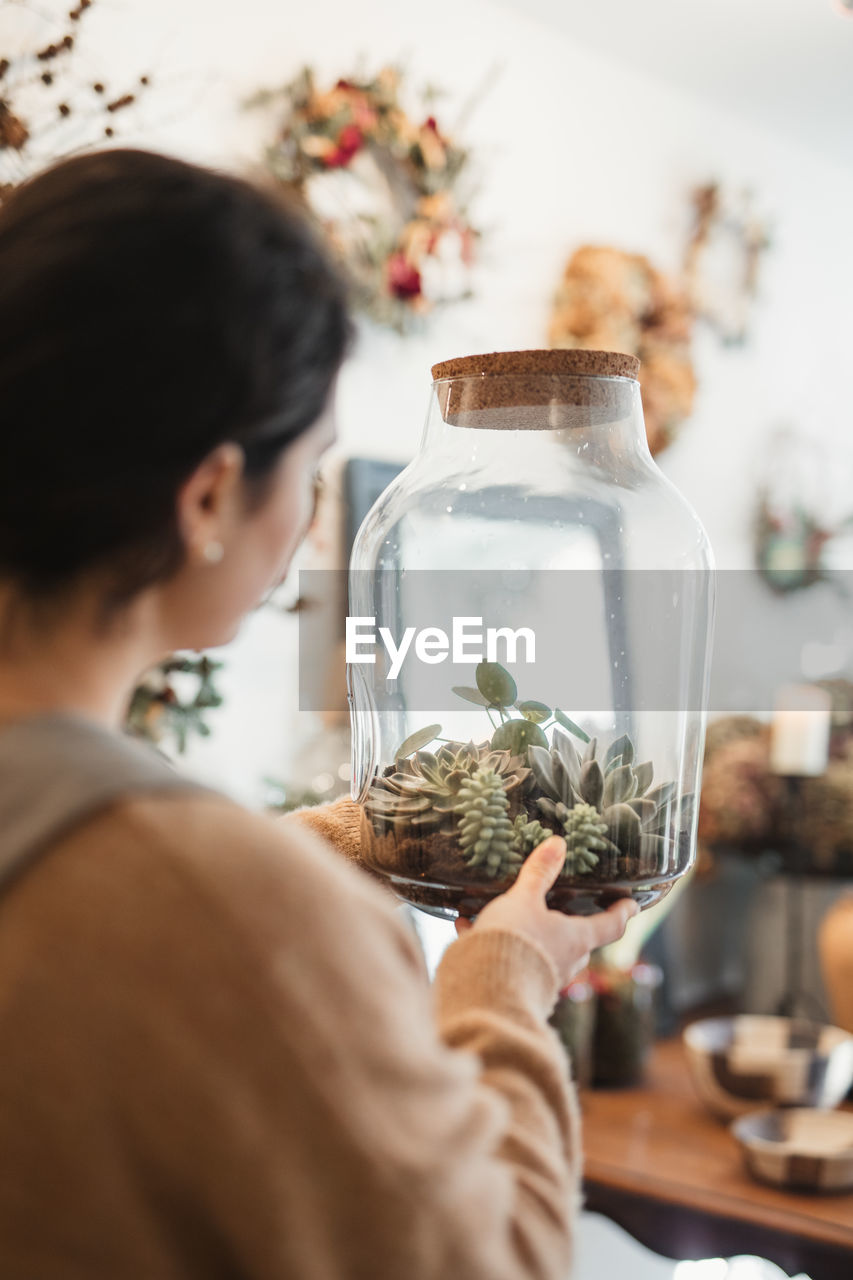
799, 735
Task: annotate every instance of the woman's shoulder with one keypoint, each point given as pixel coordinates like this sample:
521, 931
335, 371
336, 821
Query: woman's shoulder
196, 872
225, 854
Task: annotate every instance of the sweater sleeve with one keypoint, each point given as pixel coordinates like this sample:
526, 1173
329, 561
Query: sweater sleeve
342, 823
304, 1104
493, 995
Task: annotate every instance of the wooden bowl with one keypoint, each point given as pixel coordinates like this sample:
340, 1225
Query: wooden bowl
798, 1147
739, 1062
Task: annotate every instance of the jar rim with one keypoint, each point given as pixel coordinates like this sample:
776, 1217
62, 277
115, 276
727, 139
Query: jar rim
574, 361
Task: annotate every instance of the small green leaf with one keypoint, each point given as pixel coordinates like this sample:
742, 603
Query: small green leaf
516, 736
535, 711
428, 765
644, 774
592, 783
540, 761
663, 794
623, 825
471, 695
496, 684
569, 724
418, 739
620, 785
622, 746
565, 752
644, 809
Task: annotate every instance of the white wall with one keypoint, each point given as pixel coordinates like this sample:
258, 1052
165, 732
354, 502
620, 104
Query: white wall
570, 148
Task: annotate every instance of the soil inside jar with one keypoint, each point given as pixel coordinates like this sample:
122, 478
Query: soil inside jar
428, 871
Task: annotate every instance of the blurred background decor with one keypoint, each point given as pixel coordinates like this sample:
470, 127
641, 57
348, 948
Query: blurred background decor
803, 518
741, 799
606, 1021
173, 700
744, 803
835, 943
610, 300
573, 1019
789, 546
723, 258
624, 1021
53, 103
385, 185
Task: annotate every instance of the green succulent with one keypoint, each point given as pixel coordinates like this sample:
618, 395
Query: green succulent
604, 805
635, 818
420, 790
586, 837
486, 835
496, 691
528, 833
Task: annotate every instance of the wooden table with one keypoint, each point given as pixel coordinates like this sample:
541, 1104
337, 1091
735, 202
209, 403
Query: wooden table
659, 1164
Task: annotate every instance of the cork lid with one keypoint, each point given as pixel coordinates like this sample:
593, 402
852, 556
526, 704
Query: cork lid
532, 390
587, 364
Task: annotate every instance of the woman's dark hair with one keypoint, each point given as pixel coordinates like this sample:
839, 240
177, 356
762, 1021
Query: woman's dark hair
149, 311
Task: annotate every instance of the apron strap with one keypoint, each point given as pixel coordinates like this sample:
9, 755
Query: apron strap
58, 770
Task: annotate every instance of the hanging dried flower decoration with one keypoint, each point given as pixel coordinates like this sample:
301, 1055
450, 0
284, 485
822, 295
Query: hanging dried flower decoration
615, 301
789, 546
722, 260
384, 186
47, 110
172, 701
802, 511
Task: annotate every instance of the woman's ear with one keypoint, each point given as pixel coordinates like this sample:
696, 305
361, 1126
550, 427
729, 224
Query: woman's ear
209, 502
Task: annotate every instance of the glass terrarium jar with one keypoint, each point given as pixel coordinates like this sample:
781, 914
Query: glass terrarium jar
528, 642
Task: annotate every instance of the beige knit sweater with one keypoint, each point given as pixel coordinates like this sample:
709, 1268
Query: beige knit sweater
220, 1058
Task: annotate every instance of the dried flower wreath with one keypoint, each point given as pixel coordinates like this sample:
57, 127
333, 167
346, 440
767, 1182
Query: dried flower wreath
383, 185
617, 301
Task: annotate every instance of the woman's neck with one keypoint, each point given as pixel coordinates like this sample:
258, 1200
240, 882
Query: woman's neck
68, 663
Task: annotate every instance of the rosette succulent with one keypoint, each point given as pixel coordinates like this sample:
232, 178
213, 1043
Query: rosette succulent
420, 790
634, 817
487, 805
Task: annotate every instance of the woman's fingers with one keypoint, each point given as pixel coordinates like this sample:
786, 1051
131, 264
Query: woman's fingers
610, 924
539, 871
524, 909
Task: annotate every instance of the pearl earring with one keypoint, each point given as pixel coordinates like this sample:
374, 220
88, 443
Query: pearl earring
213, 552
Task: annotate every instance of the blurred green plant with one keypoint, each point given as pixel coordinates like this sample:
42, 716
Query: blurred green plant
160, 714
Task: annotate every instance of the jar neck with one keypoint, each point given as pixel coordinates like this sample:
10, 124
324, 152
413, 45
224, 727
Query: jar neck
597, 421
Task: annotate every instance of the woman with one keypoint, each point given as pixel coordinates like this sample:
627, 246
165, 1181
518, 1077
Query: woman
220, 1056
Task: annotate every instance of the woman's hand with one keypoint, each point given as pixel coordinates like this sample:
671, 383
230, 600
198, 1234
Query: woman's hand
568, 940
